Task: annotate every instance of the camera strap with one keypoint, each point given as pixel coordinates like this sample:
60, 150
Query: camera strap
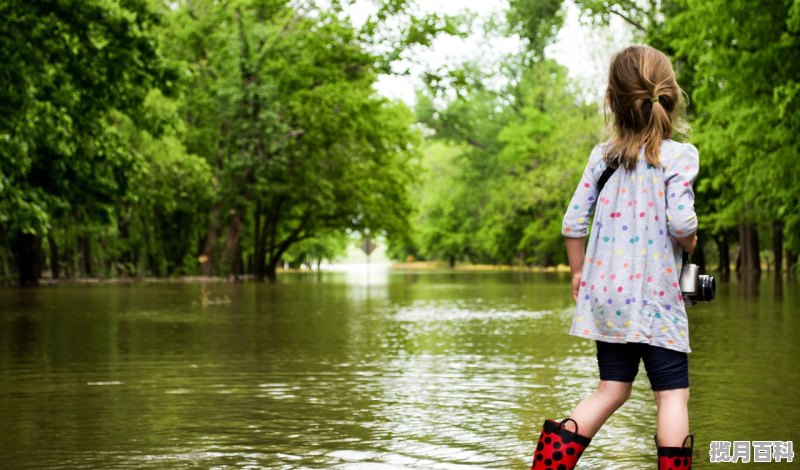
601, 183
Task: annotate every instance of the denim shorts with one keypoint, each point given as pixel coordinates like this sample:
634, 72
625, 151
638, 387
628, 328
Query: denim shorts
667, 369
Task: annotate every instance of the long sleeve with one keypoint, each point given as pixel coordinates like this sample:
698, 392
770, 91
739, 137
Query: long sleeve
681, 217
581, 207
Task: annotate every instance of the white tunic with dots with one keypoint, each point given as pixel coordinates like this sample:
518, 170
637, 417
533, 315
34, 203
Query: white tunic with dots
629, 291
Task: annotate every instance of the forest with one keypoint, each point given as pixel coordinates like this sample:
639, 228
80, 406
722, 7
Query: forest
232, 138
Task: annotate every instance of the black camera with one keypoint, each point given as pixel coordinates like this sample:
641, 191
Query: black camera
695, 286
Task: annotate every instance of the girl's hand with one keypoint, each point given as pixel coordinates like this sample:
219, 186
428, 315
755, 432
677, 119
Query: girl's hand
688, 244
576, 285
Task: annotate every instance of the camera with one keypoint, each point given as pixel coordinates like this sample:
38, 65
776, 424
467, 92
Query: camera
695, 286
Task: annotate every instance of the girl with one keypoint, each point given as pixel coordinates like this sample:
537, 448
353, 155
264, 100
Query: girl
626, 284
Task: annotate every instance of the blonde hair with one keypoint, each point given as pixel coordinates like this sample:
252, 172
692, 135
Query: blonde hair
646, 103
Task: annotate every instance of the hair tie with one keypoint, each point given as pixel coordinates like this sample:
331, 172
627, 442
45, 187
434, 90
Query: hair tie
654, 99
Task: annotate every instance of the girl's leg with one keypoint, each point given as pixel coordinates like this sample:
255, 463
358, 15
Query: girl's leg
673, 416
594, 410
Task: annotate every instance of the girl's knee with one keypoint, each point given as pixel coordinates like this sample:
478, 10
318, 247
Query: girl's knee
676, 395
616, 392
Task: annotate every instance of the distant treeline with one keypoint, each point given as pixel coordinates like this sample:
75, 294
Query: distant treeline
227, 138
508, 160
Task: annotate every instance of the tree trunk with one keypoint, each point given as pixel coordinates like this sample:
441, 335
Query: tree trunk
699, 256
126, 257
724, 254
68, 255
231, 253
26, 249
268, 238
749, 261
153, 264
271, 270
207, 255
106, 259
452, 262
85, 245
777, 245
259, 235
791, 263
55, 268
6, 271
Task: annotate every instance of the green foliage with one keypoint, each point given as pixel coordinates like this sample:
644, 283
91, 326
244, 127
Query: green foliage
228, 137
66, 65
745, 94
323, 247
536, 21
496, 192
283, 102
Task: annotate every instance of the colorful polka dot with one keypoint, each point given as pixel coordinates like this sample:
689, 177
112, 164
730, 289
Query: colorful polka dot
628, 265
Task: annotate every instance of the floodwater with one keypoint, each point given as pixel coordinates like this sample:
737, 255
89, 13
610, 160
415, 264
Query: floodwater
370, 370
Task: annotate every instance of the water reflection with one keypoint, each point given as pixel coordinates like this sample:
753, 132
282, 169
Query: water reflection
393, 370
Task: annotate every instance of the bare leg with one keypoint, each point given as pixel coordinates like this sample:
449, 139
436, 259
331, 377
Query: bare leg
594, 410
673, 416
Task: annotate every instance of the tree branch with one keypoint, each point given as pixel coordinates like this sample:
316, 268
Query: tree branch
628, 19
293, 237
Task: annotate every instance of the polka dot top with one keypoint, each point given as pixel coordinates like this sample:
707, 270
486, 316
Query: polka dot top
629, 289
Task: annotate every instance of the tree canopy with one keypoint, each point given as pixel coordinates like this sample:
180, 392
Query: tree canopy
231, 138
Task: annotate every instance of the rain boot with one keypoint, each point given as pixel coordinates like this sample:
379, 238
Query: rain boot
675, 458
558, 448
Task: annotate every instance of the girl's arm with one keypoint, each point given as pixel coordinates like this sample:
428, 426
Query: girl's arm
575, 225
681, 217
575, 253
581, 207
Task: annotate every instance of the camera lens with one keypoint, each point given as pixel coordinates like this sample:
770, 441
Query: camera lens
708, 288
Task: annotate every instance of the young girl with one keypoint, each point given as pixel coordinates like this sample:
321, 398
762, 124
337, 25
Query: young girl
626, 284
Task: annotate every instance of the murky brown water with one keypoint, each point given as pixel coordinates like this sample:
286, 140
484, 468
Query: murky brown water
428, 370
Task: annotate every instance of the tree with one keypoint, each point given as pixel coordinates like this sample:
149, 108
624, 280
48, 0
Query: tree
747, 126
67, 65
282, 102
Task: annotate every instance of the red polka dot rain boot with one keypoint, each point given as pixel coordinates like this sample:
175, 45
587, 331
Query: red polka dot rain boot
558, 448
675, 458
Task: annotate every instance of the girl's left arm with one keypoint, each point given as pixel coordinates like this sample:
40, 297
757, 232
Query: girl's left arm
575, 253
581, 207
575, 225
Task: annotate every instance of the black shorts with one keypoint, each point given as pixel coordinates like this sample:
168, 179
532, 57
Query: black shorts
667, 369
